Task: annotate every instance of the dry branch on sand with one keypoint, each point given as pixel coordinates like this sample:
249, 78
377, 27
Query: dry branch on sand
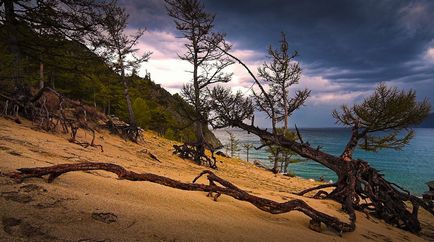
216, 185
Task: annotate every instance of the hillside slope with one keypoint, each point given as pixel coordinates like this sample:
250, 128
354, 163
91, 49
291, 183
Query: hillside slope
78, 73
96, 206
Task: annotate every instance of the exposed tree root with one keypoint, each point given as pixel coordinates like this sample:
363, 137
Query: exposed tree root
126, 131
315, 188
216, 185
196, 152
86, 144
366, 189
48, 108
359, 186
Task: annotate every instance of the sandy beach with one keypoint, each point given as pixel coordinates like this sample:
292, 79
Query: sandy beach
96, 206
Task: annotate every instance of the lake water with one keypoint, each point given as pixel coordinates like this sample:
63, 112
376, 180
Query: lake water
409, 168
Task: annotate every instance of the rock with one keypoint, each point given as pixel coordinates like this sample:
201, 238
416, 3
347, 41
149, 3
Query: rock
9, 224
17, 197
107, 218
32, 188
17, 227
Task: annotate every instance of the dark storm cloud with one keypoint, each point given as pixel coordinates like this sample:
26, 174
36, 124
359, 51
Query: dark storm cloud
363, 41
348, 45
149, 14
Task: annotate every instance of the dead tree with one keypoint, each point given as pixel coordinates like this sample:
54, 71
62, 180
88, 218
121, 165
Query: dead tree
248, 147
119, 51
280, 74
217, 186
359, 185
207, 60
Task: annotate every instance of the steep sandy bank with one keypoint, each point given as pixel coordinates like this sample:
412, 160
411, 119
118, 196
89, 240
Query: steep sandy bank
95, 206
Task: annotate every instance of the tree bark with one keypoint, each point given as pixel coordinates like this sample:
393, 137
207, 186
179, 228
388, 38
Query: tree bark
347, 155
285, 106
131, 116
41, 75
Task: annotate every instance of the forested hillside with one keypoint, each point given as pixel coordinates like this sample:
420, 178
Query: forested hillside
73, 70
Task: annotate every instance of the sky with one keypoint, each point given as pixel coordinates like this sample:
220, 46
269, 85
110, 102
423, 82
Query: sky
346, 47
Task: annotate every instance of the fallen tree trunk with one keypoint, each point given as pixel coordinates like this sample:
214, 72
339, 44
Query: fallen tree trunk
224, 187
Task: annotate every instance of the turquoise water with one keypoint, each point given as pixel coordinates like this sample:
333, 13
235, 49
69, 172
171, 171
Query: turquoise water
409, 168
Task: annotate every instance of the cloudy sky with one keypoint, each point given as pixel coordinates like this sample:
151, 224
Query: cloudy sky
346, 47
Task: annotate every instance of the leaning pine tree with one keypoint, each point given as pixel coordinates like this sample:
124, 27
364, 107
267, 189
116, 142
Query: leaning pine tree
383, 120
205, 52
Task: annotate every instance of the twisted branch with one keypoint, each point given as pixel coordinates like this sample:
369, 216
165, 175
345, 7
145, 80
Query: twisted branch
225, 187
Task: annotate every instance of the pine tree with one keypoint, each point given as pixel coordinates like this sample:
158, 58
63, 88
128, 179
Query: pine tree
233, 144
207, 60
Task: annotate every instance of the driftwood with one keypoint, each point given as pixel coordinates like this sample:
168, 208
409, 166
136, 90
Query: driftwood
260, 165
216, 185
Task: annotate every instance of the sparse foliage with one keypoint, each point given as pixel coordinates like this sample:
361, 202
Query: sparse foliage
280, 74
205, 52
233, 144
248, 147
390, 113
281, 156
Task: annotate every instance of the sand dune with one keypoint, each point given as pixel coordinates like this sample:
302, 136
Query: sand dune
96, 206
